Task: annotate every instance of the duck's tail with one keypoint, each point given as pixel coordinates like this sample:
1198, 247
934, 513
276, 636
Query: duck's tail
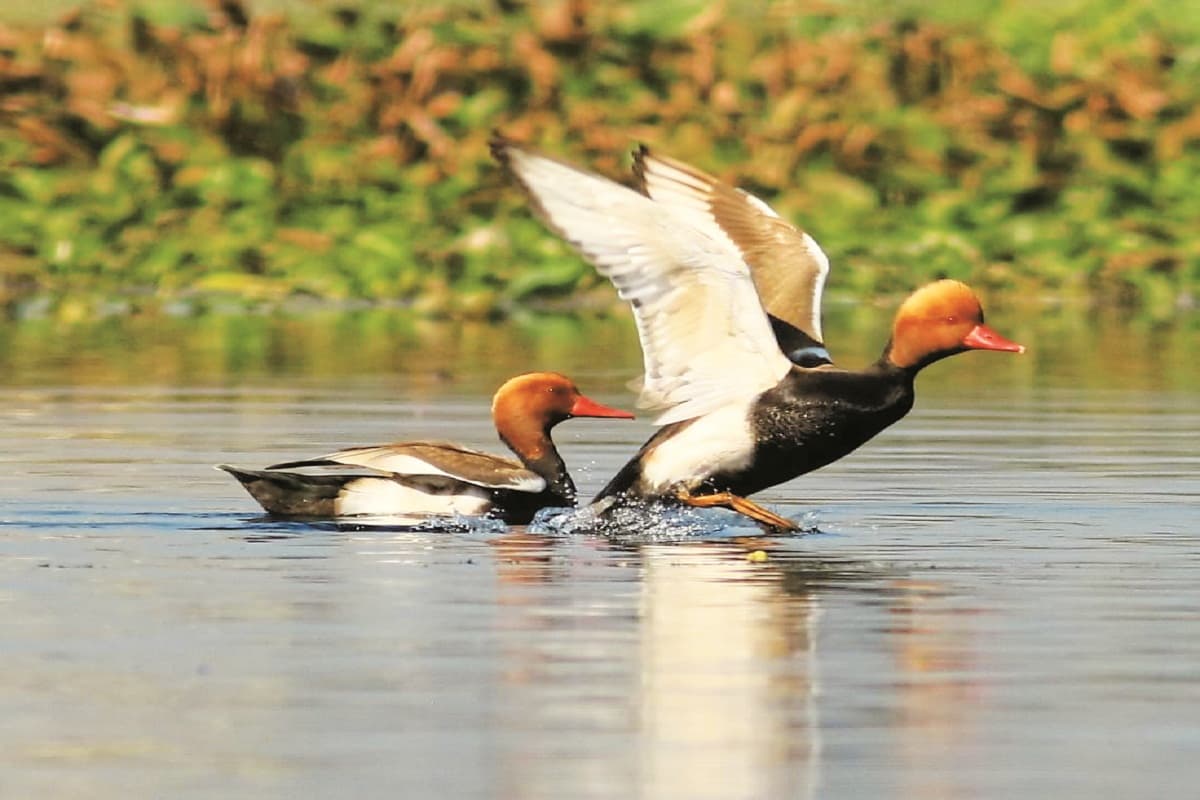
290, 494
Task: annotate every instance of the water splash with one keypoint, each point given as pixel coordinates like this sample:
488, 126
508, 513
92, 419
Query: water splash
652, 521
433, 523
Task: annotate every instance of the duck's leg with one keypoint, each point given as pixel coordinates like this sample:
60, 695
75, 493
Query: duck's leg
741, 505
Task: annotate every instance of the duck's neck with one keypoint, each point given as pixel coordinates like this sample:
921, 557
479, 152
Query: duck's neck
551, 467
909, 359
533, 445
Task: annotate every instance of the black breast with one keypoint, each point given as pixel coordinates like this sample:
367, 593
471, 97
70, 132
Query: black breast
519, 508
816, 416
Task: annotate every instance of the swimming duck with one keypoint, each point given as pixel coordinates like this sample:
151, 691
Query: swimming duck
440, 478
720, 288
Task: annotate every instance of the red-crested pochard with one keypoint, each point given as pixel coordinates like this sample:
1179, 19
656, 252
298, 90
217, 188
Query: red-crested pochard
424, 478
727, 300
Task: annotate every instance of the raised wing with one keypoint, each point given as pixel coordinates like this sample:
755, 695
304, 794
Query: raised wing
788, 266
706, 341
434, 459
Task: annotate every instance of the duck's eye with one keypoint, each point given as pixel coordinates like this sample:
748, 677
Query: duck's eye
950, 320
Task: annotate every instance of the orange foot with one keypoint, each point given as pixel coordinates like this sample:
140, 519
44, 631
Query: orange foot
739, 504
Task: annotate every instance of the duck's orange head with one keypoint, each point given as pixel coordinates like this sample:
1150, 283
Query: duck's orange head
939, 320
526, 407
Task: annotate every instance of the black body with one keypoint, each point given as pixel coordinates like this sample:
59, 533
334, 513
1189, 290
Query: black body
809, 419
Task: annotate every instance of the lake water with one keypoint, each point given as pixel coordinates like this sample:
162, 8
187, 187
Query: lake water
1000, 596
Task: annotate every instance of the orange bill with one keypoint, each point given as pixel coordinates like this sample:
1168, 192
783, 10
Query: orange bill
982, 337
587, 407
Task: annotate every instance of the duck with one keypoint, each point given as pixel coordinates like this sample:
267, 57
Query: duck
435, 478
726, 298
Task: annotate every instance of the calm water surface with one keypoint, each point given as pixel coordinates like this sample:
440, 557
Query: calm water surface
1001, 596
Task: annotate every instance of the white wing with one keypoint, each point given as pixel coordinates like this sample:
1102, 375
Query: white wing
705, 338
788, 266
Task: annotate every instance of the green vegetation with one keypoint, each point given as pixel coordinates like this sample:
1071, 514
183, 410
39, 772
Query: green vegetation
193, 156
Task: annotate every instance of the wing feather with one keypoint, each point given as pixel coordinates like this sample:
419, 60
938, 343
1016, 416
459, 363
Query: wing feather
788, 266
706, 341
434, 459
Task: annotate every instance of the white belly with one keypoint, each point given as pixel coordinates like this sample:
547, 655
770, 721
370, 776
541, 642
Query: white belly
377, 496
716, 442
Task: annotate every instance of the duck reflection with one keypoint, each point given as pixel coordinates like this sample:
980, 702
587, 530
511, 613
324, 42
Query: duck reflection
938, 693
721, 692
523, 558
728, 677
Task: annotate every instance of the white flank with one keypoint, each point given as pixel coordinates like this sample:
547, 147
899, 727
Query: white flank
380, 496
704, 335
720, 441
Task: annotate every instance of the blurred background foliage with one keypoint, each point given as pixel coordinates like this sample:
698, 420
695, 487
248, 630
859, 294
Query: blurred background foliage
185, 157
